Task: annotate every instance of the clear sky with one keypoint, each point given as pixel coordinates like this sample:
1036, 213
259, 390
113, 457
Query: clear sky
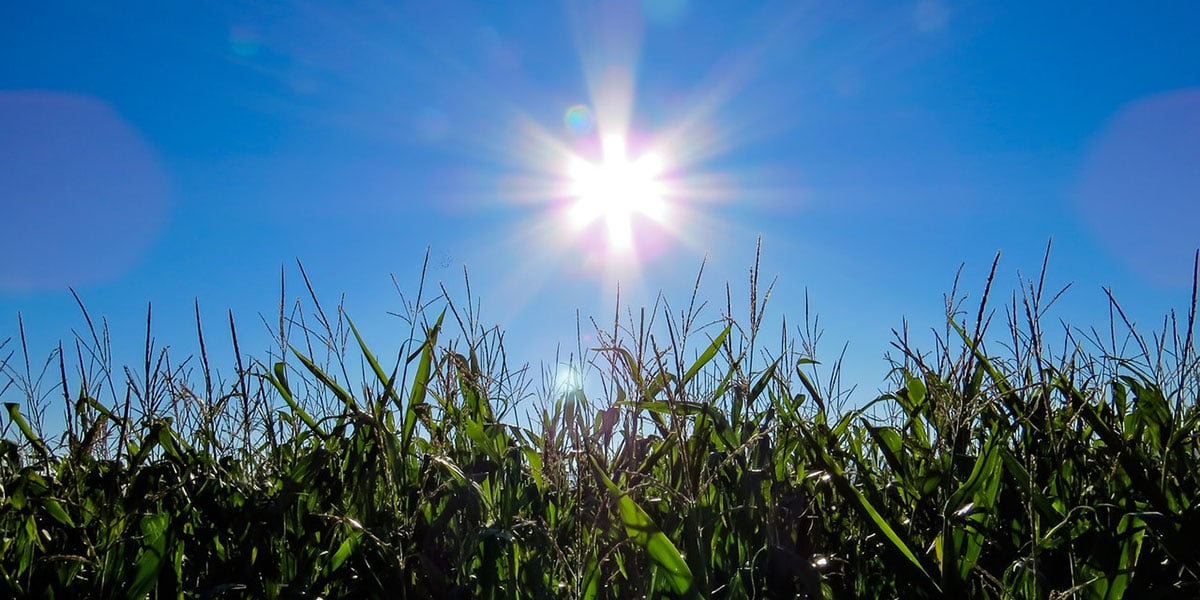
170, 151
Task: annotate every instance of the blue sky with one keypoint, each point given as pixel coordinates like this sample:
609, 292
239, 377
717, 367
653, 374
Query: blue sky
168, 152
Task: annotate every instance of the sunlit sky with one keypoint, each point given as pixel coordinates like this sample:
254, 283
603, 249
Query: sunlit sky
163, 152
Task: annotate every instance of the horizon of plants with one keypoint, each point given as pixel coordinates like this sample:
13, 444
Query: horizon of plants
708, 462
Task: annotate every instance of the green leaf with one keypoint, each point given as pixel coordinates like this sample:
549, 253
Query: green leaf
420, 386
149, 562
14, 414
916, 392
535, 467
279, 382
1131, 530
55, 510
387, 381
763, 380
344, 550
591, 580
642, 530
328, 381
962, 535
892, 445
706, 356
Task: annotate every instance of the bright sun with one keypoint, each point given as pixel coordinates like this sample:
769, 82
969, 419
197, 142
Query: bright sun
617, 190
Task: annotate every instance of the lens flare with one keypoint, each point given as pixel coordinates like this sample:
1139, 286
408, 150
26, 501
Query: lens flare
579, 120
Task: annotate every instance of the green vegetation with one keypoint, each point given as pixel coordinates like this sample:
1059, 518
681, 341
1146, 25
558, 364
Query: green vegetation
705, 463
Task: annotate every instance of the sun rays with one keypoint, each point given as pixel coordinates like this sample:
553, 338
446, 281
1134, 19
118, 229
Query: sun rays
621, 179
616, 191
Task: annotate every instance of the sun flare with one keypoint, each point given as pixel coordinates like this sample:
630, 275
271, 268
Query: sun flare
617, 190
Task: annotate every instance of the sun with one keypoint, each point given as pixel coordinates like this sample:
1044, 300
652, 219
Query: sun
617, 191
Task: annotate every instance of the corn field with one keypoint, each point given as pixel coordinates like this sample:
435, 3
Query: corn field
697, 461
